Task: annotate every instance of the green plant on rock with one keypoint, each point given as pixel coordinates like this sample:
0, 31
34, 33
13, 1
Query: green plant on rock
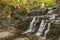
50, 3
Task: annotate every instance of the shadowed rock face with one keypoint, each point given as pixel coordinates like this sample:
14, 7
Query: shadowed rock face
38, 12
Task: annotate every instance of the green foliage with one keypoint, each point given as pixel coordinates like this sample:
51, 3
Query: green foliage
50, 3
27, 5
9, 2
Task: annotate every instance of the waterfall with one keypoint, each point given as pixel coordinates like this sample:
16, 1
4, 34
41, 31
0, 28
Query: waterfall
31, 25
33, 30
45, 34
41, 28
52, 17
43, 24
51, 13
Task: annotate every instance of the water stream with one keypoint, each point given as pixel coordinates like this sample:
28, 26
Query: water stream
32, 24
51, 17
45, 34
42, 26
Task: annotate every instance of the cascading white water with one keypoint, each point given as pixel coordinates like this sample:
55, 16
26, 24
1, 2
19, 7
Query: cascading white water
39, 33
51, 17
42, 25
35, 24
51, 13
41, 28
45, 34
31, 25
